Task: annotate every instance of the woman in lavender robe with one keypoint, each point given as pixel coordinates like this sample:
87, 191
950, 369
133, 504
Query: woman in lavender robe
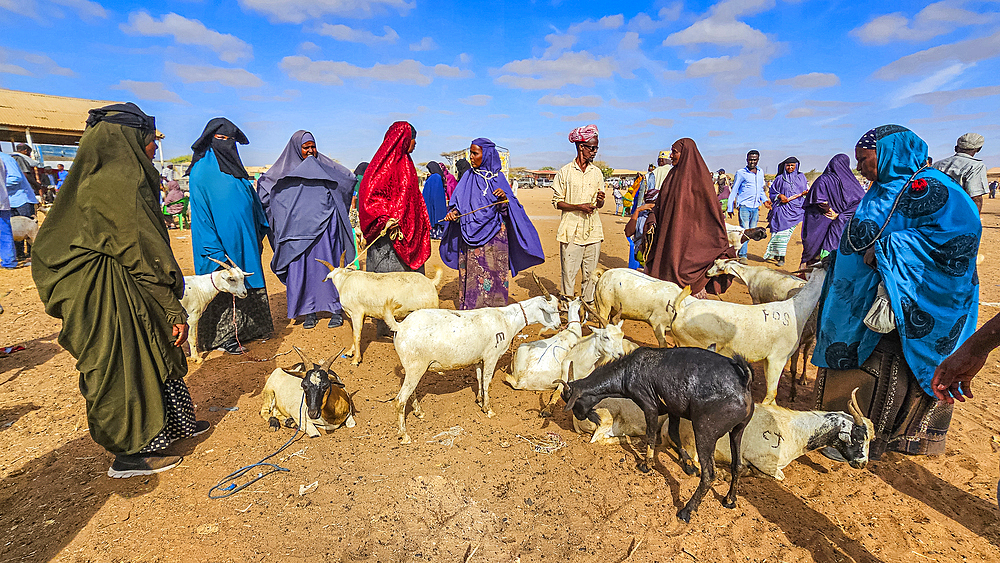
828, 207
306, 197
488, 232
786, 197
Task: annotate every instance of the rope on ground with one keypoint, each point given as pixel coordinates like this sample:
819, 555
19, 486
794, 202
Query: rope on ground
550, 443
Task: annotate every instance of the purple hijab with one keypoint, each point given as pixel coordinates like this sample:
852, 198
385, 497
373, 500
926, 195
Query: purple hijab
475, 190
785, 216
840, 189
301, 197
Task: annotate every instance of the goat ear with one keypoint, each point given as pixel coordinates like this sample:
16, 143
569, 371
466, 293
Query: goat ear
711, 347
573, 396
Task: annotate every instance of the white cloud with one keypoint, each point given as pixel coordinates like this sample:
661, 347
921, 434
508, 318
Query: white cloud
810, 81
945, 97
445, 71
835, 104
587, 116
234, 77
716, 31
464, 58
935, 19
13, 61
498, 116
151, 91
286, 96
660, 122
665, 103
710, 66
722, 114
425, 44
931, 81
296, 11
476, 100
968, 51
801, 112
8, 68
302, 68
85, 8
309, 47
644, 23
188, 32
580, 68
341, 32
570, 101
953, 117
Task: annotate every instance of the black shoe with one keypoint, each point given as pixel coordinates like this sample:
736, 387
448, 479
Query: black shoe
126, 466
310, 321
336, 320
233, 347
200, 427
780, 261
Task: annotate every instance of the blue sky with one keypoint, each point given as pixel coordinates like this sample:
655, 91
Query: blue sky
803, 78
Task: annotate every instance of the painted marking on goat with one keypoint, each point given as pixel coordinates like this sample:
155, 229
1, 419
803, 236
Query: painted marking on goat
501, 337
777, 316
776, 435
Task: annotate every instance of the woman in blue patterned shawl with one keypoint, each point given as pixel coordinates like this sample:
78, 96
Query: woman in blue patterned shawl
917, 233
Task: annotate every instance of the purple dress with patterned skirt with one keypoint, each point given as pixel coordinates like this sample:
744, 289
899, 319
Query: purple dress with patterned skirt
482, 273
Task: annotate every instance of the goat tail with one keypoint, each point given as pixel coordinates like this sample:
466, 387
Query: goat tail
744, 368
436, 280
595, 276
679, 300
389, 314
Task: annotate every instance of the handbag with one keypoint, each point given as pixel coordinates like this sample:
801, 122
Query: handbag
880, 317
646, 243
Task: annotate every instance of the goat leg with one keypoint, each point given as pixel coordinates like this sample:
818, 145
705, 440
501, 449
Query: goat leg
357, 323
705, 444
273, 424
489, 368
736, 465
652, 438
673, 430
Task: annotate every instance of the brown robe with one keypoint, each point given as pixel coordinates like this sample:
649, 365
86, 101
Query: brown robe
690, 231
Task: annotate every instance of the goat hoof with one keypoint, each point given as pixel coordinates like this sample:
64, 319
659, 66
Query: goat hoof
642, 467
419, 414
405, 439
729, 503
490, 413
690, 469
290, 423
273, 424
356, 362
685, 515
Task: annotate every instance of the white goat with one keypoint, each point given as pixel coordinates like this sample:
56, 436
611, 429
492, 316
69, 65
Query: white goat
537, 364
365, 293
766, 286
24, 228
635, 296
768, 332
738, 235
441, 339
199, 291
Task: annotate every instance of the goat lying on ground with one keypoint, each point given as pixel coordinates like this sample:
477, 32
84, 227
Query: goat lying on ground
711, 390
767, 286
307, 396
635, 296
441, 339
199, 291
365, 293
738, 235
768, 332
774, 437
536, 364
600, 347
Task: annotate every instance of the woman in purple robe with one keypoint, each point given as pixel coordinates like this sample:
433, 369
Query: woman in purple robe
488, 232
785, 200
829, 206
307, 197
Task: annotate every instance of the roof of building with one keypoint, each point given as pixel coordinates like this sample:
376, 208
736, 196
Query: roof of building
43, 112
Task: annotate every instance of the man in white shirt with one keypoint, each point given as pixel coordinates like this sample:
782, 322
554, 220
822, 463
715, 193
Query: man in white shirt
578, 194
967, 170
658, 174
748, 194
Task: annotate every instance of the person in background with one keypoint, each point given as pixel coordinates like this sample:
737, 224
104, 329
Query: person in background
8, 256
913, 240
29, 166
306, 196
656, 177
828, 207
61, 174
577, 195
616, 192
488, 232
173, 195
967, 170
723, 187
168, 174
690, 233
450, 181
435, 200
748, 194
227, 224
391, 208
22, 199
786, 198
463, 166
993, 189
359, 173
114, 282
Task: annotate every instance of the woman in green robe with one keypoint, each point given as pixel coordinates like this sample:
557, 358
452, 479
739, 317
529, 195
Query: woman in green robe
102, 263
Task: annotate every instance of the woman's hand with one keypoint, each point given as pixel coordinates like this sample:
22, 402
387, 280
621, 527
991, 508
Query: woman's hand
181, 332
646, 207
452, 215
782, 198
831, 214
870, 257
768, 204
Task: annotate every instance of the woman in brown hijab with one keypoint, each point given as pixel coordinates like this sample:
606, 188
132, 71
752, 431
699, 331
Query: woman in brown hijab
690, 232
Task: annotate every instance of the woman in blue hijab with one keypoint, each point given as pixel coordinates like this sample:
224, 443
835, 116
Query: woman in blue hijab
488, 232
227, 223
916, 234
434, 198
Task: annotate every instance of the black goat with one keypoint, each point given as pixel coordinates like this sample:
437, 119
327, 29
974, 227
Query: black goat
710, 390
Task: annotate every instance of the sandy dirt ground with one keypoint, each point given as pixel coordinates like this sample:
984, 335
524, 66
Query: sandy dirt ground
488, 492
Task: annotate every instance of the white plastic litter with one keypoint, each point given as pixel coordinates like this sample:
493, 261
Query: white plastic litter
447, 438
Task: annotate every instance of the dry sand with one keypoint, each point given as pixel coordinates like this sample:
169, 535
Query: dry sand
379, 501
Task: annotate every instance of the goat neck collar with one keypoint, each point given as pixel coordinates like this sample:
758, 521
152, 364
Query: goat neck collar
211, 278
523, 313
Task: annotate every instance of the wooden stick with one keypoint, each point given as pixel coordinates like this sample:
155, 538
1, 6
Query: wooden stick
480, 208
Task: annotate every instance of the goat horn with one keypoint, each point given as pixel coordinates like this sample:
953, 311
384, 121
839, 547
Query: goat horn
591, 310
333, 358
855, 409
230, 260
545, 292
325, 263
305, 361
221, 263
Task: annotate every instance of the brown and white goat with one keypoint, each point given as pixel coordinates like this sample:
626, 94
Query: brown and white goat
307, 396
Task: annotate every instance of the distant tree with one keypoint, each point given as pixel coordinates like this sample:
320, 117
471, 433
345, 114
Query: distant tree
181, 159
812, 175
546, 168
605, 168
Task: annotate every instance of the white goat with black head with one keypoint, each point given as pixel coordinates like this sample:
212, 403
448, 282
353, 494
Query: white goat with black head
199, 291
